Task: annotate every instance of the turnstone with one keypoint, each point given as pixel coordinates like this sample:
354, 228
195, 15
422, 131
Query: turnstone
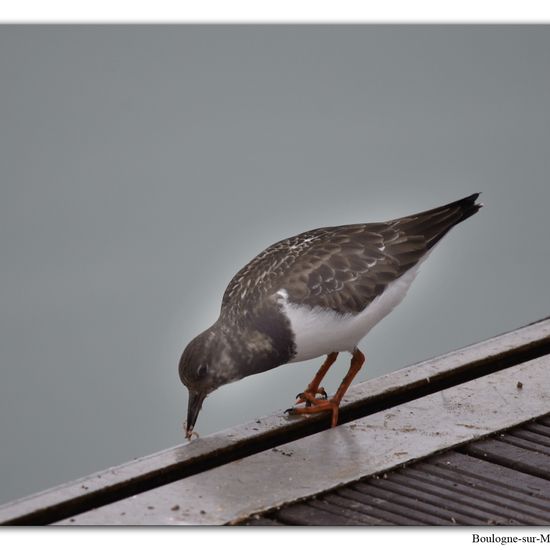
315, 294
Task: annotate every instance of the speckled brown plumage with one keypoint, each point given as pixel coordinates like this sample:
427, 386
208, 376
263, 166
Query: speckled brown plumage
342, 268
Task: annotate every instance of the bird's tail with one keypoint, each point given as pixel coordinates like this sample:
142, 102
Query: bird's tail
435, 223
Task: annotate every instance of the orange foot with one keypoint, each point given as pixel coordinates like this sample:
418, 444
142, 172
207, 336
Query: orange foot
314, 405
318, 406
309, 397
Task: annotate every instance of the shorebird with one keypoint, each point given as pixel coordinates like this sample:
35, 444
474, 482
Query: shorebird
312, 295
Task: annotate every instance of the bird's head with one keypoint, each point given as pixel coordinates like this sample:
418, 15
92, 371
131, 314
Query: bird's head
206, 364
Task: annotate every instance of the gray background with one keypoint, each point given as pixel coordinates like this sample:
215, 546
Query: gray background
141, 167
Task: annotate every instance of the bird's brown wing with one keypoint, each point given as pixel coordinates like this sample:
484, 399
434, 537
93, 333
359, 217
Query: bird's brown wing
352, 265
343, 268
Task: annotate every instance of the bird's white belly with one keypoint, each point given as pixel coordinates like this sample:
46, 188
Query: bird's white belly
320, 332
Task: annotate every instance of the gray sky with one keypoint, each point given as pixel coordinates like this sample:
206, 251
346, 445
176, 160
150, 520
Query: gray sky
141, 167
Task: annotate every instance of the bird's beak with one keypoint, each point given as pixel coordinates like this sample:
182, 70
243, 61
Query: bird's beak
193, 408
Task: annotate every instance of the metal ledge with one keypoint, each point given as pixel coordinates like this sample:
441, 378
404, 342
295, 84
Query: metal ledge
332, 458
186, 460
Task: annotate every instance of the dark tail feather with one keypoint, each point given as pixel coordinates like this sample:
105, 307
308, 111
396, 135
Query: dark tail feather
434, 224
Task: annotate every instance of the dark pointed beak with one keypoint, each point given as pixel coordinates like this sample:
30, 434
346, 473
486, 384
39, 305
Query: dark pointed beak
193, 408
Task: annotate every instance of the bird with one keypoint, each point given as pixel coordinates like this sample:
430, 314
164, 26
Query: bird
312, 295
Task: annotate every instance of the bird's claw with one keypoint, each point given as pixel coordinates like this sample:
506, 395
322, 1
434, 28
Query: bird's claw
303, 398
320, 406
310, 398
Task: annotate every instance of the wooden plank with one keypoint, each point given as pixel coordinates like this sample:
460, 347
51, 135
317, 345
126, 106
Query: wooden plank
538, 428
534, 436
263, 522
302, 514
545, 421
421, 510
526, 442
492, 478
445, 507
523, 460
482, 486
378, 507
351, 506
349, 452
348, 513
468, 499
200, 455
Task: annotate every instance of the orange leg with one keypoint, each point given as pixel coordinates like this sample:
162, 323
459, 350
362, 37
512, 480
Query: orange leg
333, 403
310, 393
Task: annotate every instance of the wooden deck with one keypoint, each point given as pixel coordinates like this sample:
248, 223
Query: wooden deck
432, 417
501, 480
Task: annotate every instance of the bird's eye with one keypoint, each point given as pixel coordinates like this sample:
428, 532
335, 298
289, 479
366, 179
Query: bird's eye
201, 371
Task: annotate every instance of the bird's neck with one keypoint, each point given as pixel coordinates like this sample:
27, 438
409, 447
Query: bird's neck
258, 342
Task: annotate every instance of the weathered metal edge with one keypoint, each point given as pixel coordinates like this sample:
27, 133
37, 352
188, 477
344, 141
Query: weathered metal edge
329, 459
187, 459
